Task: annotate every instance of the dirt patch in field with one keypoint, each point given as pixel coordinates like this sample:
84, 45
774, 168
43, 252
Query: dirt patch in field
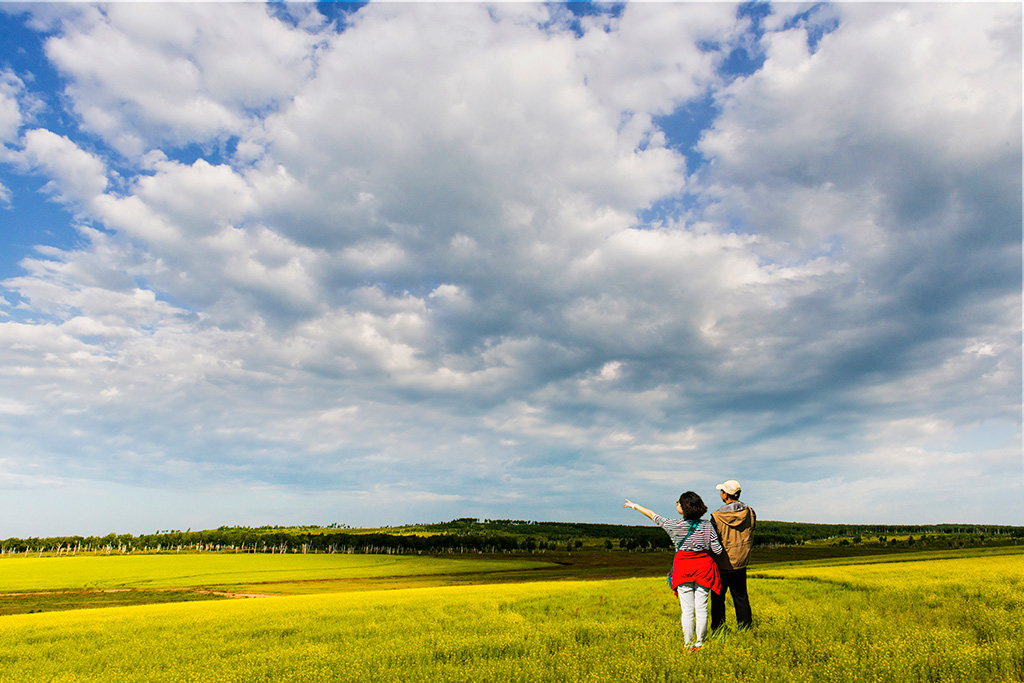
55, 601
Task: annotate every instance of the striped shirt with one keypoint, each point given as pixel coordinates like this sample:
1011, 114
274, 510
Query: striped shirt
704, 537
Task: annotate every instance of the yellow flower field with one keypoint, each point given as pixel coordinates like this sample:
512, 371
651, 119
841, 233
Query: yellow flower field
933, 620
227, 570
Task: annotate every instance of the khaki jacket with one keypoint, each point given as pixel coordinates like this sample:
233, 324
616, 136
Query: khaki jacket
736, 529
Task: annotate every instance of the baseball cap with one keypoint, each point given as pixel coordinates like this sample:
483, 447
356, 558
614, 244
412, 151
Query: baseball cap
731, 486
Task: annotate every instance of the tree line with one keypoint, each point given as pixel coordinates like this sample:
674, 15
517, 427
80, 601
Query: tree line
468, 535
243, 540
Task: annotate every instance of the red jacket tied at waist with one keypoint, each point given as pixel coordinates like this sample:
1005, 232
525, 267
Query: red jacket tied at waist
696, 566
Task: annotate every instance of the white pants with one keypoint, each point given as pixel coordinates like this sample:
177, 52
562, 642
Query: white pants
693, 601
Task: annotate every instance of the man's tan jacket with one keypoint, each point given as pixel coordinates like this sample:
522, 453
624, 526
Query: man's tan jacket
736, 529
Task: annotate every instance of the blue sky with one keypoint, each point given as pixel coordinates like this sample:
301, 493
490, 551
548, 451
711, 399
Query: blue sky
389, 263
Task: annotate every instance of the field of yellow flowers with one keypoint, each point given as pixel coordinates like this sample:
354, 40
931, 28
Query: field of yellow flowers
957, 619
227, 571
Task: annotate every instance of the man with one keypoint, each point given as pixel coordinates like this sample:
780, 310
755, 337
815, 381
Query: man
735, 524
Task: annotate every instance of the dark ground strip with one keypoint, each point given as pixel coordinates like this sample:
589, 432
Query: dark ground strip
29, 603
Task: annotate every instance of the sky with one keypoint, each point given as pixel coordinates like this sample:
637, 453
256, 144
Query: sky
396, 263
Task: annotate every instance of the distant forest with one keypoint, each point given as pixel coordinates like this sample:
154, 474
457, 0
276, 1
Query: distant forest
470, 535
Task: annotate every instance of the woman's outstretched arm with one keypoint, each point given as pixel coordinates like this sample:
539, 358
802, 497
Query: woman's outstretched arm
639, 508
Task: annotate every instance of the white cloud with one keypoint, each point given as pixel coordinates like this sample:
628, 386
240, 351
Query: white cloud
12, 407
78, 176
199, 199
146, 74
11, 88
653, 58
466, 125
873, 119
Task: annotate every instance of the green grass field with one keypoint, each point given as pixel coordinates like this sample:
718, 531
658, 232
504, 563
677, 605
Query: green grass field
951, 618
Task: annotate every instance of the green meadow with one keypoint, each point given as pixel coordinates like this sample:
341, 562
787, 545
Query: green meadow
928, 618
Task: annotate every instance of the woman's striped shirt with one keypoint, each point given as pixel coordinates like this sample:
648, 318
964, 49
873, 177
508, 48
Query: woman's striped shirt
704, 537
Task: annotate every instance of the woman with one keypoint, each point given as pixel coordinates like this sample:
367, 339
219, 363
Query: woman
694, 572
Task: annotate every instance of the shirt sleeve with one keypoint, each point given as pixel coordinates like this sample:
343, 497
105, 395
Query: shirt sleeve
674, 528
716, 542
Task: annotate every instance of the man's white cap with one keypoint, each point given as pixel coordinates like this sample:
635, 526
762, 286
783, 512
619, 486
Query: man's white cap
732, 487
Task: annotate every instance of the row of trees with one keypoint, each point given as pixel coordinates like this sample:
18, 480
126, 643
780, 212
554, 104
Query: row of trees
946, 539
330, 541
489, 536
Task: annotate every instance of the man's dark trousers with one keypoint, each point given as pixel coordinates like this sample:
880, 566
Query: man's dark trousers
736, 583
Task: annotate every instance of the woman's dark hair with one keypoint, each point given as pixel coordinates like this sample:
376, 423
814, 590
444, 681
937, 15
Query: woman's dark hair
692, 506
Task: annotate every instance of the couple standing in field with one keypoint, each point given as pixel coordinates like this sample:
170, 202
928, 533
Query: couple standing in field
711, 558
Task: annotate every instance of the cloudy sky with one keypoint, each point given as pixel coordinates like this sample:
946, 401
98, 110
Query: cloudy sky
409, 262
